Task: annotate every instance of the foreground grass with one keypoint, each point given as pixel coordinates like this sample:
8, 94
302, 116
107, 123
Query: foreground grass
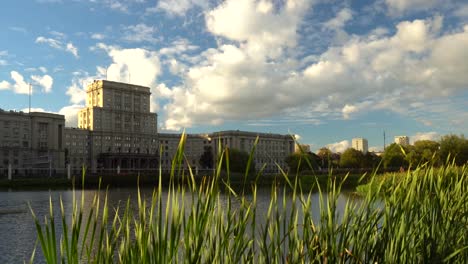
421, 218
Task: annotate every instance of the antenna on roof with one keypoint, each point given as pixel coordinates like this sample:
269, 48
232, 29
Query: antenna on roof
384, 140
30, 91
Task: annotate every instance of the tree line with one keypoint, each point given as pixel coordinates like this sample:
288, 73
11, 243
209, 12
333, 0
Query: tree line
448, 148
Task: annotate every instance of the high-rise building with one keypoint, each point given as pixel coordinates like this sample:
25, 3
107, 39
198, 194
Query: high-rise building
122, 129
402, 140
360, 144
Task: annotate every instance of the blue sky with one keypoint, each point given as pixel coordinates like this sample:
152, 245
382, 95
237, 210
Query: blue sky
327, 71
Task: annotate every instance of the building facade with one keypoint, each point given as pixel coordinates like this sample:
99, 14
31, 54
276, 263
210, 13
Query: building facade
402, 140
360, 144
31, 143
271, 149
122, 129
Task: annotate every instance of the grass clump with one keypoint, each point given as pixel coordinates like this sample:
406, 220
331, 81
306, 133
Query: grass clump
421, 218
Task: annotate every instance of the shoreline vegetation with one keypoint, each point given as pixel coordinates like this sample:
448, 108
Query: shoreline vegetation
419, 216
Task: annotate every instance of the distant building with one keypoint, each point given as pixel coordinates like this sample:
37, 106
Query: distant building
402, 140
272, 149
298, 148
360, 144
31, 142
194, 147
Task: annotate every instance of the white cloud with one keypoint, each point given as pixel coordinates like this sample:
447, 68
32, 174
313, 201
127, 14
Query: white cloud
57, 44
4, 85
20, 86
136, 66
36, 109
71, 114
178, 46
178, 7
340, 20
98, 36
220, 85
45, 81
339, 147
72, 49
77, 89
140, 33
425, 136
255, 70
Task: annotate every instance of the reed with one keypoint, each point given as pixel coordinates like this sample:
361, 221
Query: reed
419, 217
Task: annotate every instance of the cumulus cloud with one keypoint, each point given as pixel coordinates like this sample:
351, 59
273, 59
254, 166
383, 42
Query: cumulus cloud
58, 44
36, 109
220, 86
339, 147
253, 71
45, 82
77, 89
136, 66
71, 114
20, 86
4, 85
425, 136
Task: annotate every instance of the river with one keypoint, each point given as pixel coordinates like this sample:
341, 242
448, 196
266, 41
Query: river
18, 232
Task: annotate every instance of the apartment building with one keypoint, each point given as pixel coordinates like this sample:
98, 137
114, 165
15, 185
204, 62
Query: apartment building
31, 141
402, 140
360, 144
195, 145
270, 150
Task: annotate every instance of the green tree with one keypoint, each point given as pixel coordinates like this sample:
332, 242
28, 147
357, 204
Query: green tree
325, 156
351, 158
426, 151
238, 161
294, 159
394, 156
455, 147
206, 159
370, 160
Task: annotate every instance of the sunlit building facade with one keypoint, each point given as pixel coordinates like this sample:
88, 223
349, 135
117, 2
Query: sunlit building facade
360, 144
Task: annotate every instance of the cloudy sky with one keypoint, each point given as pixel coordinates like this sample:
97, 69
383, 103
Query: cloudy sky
323, 69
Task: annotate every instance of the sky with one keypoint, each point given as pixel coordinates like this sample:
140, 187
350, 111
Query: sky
327, 71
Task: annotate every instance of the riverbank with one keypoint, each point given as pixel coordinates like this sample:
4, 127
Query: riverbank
133, 181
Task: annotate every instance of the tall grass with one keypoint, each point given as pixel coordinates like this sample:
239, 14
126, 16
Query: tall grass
421, 218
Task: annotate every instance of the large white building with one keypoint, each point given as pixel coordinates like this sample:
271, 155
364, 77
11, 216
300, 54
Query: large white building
360, 144
402, 140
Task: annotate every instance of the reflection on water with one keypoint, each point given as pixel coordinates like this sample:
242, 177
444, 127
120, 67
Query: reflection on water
18, 233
